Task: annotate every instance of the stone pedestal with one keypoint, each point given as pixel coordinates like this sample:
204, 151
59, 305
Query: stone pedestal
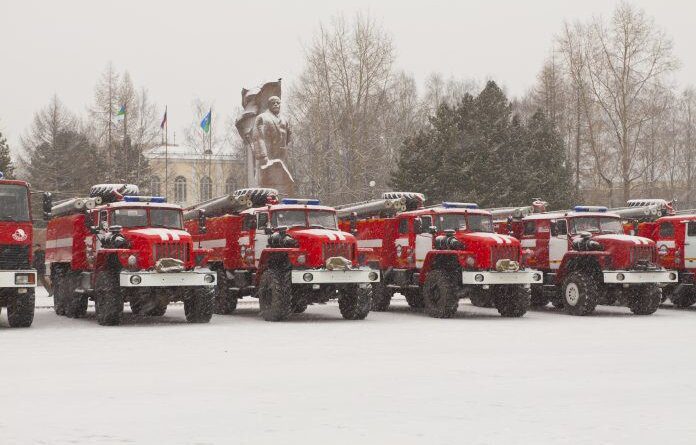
276, 175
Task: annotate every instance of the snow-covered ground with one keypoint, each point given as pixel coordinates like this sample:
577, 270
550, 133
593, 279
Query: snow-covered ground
397, 377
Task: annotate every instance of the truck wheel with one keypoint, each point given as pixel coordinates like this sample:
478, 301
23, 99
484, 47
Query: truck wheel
20, 309
76, 306
355, 301
512, 301
414, 298
275, 294
59, 292
381, 296
440, 294
480, 297
225, 299
645, 300
108, 302
580, 293
686, 297
299, 299
199, 305
538, 299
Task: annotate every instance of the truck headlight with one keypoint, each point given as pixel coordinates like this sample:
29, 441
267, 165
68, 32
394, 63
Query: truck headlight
470, 261
372, 276
620, 277
536, 277
308, 277
301, 259
478, 277
209, 278
135, 279
132, 261
672, 276
24, 278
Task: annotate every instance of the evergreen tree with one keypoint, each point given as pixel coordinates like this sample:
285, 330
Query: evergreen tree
6, 165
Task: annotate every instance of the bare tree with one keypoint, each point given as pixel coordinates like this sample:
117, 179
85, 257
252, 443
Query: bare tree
349, 111
103, 111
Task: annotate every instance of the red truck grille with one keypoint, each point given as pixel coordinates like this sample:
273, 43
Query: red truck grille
338, 249
177, 251
503, 252
643, 254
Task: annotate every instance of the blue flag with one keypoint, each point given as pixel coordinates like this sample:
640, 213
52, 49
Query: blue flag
205, 123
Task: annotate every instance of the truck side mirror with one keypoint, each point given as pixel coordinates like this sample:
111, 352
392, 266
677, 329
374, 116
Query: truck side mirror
202, 229
47, 205
267, 230
432, 230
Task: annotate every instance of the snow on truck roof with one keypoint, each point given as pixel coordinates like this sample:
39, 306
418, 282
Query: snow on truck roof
273, 207
122, 204
570, 214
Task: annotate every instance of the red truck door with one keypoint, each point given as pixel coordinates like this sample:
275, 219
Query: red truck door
558, 242
424, 240
260, 237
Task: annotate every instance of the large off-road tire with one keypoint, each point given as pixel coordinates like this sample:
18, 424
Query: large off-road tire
538, 299
414, 298
355, 301
199, 304
580, 293
480, 297
440, 294
686, 297
512, 301
645, 299
60, 291
20, 309
275, 294
76, 306
108, 301
300, 299
381, 296
225, 299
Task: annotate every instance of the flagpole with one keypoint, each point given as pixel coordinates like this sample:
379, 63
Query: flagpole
210, 155
166, 155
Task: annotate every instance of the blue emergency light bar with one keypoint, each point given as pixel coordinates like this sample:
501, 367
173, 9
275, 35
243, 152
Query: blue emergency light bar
460, 205
308, 202
157, 199
600, 209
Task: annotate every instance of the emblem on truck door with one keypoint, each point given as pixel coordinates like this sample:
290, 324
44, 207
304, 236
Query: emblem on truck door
19, 235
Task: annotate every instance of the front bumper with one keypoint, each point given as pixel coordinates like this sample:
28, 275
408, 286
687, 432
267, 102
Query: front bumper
527, 276
168, 279
325, 276
640, 277
8, 278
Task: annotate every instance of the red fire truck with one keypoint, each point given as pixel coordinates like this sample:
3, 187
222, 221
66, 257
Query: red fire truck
674, 233
117, 247
287, 253
17, 277
588, 260
437, 255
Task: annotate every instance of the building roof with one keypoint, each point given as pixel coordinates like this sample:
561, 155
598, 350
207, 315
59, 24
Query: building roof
183, 152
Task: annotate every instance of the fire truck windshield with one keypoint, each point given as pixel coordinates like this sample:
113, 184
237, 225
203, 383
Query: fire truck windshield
595, 224
168, 218
14, 203
129, 218
318, 219
458, 221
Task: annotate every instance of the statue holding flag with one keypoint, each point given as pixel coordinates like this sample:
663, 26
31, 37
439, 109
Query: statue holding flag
267, 137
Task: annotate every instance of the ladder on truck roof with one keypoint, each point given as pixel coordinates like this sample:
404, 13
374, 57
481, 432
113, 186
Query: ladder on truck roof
390, 204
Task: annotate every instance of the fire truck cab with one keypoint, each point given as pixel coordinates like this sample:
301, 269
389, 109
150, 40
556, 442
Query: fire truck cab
289, 254
437, 255
128, 249
674, 234
588, 260
17, 277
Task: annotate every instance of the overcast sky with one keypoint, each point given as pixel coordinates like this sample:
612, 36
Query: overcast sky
211, 49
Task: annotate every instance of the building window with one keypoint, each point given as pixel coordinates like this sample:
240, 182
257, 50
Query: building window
229, 186
206, 188
155, 186
179, 189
